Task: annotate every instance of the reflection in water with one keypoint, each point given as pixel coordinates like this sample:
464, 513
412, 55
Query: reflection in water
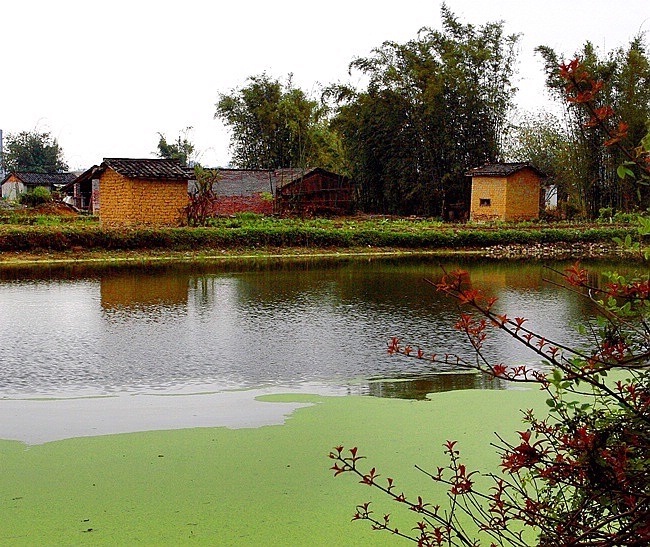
419, 388
134, 289
171, 328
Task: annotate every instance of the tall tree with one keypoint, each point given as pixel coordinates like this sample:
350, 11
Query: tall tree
181, 149
625, 78
31, 151
543, 140
433, 108
275, 124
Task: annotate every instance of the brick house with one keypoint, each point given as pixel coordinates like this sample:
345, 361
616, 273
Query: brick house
15, 184
265, 191
315, 191
245, 190
133, 191
505, 191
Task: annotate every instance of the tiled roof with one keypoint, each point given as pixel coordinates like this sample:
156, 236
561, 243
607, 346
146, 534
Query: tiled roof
297, 175
246, 182
501, 169
148, 168
44, 179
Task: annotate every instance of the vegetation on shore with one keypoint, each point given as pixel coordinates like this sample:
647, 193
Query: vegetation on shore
44, 233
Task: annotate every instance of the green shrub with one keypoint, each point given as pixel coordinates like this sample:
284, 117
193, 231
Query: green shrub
605, 213
249, 216
55, 233
47, 220
38, 196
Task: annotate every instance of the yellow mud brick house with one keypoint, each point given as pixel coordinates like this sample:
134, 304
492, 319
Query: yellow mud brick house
124, 191
505, 191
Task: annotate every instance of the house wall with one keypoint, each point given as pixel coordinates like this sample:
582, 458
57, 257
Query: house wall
511, 198
12, 188
229, 205
316, 192
523, 195
488, 188
140, 201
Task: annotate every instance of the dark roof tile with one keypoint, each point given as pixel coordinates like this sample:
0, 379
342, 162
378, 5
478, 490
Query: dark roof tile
165, 169
246, 182
501, 169
43, 179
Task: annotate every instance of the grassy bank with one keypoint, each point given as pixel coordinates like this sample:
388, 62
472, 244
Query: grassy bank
256, 232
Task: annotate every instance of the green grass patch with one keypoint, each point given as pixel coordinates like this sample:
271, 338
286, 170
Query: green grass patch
254, 231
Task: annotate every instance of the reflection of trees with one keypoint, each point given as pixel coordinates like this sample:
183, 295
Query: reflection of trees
203, 290
317, 306
419, 388
304, 321
322, 311
384, 284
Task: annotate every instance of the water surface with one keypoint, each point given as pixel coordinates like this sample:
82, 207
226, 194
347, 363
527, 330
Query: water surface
317, 326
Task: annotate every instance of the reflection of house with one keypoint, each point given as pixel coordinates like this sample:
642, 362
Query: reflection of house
135, 290
296, 191
315, 191
133, 191
505, 191
15, 184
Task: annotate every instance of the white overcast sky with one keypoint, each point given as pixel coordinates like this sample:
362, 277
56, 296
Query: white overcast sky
105, 77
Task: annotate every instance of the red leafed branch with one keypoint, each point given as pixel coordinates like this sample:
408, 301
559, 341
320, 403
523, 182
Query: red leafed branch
579, 475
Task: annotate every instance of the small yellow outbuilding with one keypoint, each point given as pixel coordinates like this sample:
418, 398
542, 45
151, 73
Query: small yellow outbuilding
505, 191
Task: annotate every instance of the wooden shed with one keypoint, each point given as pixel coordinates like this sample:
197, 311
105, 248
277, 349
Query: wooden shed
16, 183
315, 191
505, 191
125, 191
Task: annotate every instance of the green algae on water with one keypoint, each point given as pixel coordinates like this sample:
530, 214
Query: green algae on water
271, 485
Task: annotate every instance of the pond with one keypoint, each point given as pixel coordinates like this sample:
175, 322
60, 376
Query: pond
171, 352
305, 324
75, 333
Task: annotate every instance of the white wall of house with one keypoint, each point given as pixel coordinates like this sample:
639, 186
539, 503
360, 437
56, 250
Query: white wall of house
94, 199
550, 196
12, 189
